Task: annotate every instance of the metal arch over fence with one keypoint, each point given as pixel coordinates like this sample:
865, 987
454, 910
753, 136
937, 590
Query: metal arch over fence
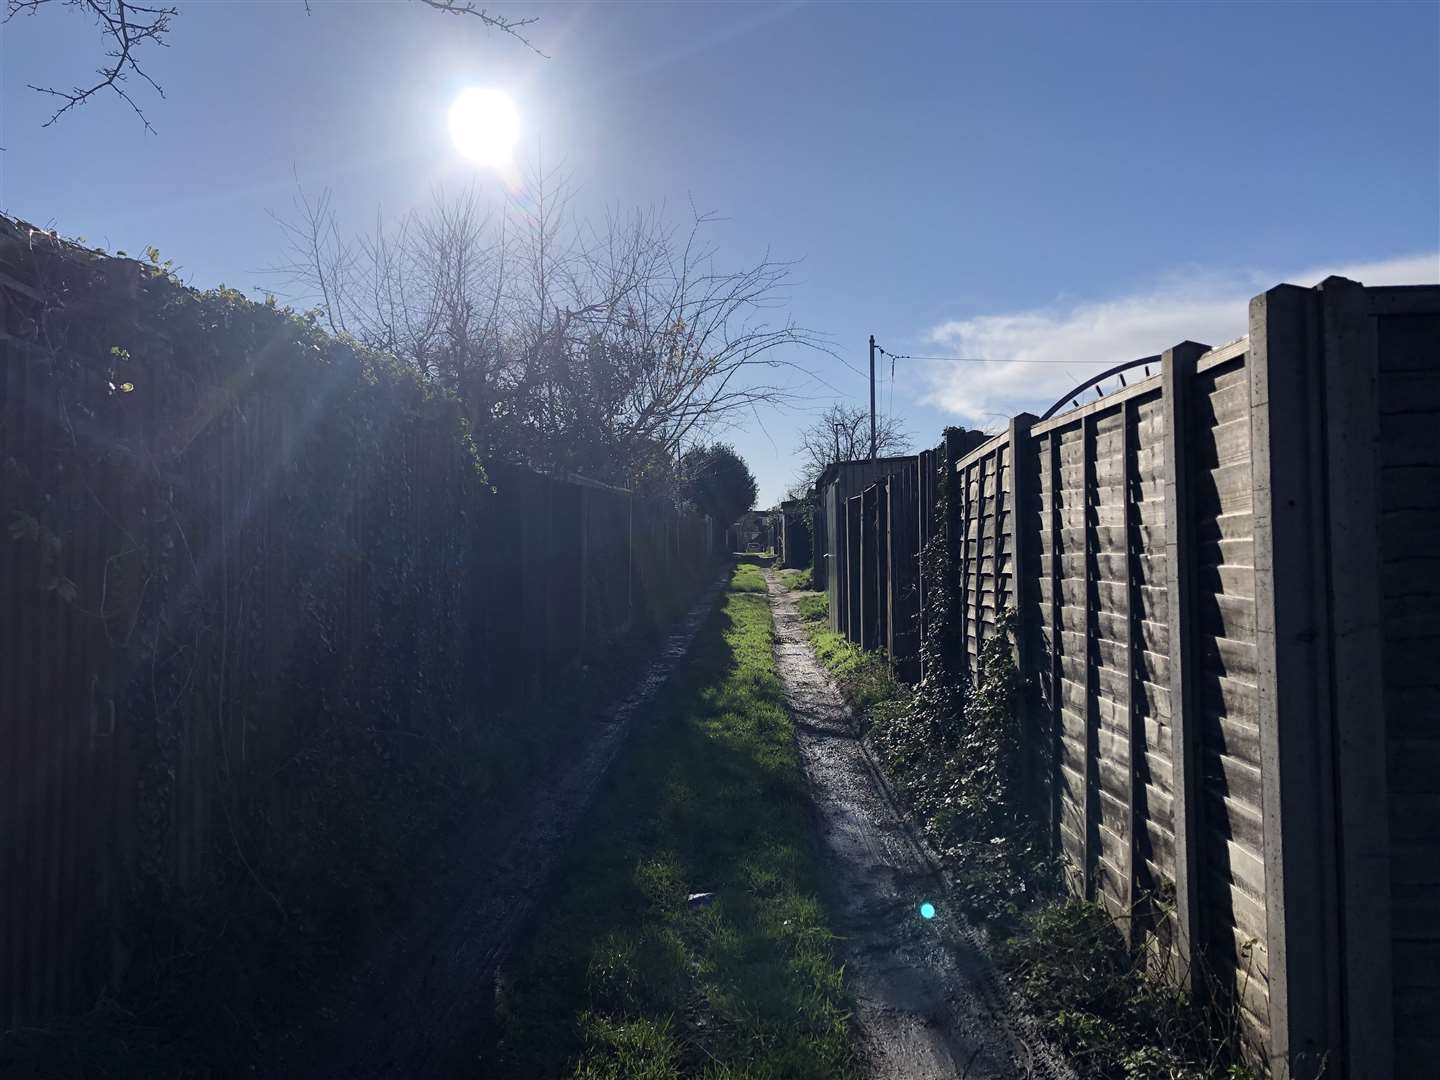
1094, 380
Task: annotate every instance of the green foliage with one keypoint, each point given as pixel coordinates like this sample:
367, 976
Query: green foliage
625, 979
716, 481
275, 541
813, 607
1115, 1019
750, 574
243, 471
798, 580
864, 678
953, 749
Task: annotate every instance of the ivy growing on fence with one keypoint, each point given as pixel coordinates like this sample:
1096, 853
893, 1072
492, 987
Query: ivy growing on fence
954, 748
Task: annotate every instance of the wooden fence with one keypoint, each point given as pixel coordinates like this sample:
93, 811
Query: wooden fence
795, 546
568, 565
1226, 575
236, 565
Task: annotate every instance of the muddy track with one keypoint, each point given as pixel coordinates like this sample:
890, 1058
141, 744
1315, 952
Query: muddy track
420, 1004
925, 1001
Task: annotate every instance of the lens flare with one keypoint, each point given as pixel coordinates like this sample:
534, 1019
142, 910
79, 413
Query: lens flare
485, 126
927, 910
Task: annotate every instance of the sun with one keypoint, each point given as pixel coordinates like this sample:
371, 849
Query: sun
485, 126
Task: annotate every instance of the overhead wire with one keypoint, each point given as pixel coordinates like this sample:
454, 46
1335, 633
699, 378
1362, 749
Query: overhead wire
1095, 383
965, 359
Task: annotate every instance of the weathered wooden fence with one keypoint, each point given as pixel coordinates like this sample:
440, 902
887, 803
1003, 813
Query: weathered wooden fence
569, 565
795, 546
1227, 578
835, 570
238, 562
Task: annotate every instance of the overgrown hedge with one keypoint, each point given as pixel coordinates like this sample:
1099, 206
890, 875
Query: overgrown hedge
244, 585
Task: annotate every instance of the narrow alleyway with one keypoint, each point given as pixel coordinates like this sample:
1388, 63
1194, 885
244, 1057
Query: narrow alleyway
925, 1003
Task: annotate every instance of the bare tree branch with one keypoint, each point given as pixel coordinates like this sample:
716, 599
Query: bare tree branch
600, 349
126, 27
842, 433
513, 27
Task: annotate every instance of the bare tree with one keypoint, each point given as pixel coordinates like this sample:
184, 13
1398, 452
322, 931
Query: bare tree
127, 28
598, 348
843, 434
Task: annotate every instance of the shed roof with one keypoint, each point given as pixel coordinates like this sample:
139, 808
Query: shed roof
836, 469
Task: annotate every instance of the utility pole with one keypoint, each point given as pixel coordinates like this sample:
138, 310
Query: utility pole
836, 428
872, 397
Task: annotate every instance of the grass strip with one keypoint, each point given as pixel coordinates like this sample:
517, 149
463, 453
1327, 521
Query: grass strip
798, 579
864, 678
628, 978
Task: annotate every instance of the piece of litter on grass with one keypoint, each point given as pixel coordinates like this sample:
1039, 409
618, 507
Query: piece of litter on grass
698, 900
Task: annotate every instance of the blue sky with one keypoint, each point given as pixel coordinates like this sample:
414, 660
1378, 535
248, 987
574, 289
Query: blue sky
1073, 182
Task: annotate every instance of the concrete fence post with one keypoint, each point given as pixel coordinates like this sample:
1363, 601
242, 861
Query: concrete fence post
1314, 431
1177, 372
1292, 618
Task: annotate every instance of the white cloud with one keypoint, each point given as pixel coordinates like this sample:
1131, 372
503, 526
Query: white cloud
1079, 339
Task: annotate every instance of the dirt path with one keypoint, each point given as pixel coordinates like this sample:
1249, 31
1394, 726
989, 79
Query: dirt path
925, 1002
420, 1004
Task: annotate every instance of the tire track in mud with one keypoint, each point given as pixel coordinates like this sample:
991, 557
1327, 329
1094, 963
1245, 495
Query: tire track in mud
925, 1001
421, 1003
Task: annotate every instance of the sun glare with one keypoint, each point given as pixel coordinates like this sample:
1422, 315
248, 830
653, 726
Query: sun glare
484, 125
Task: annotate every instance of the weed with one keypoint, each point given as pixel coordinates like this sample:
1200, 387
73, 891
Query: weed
864, 678
798, 580
813, 607
1094, 997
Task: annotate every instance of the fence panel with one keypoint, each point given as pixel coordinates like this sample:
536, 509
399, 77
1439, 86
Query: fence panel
1153, 871
1408, 468
1072, 639
1108, 633
1230, 835
1101, 621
